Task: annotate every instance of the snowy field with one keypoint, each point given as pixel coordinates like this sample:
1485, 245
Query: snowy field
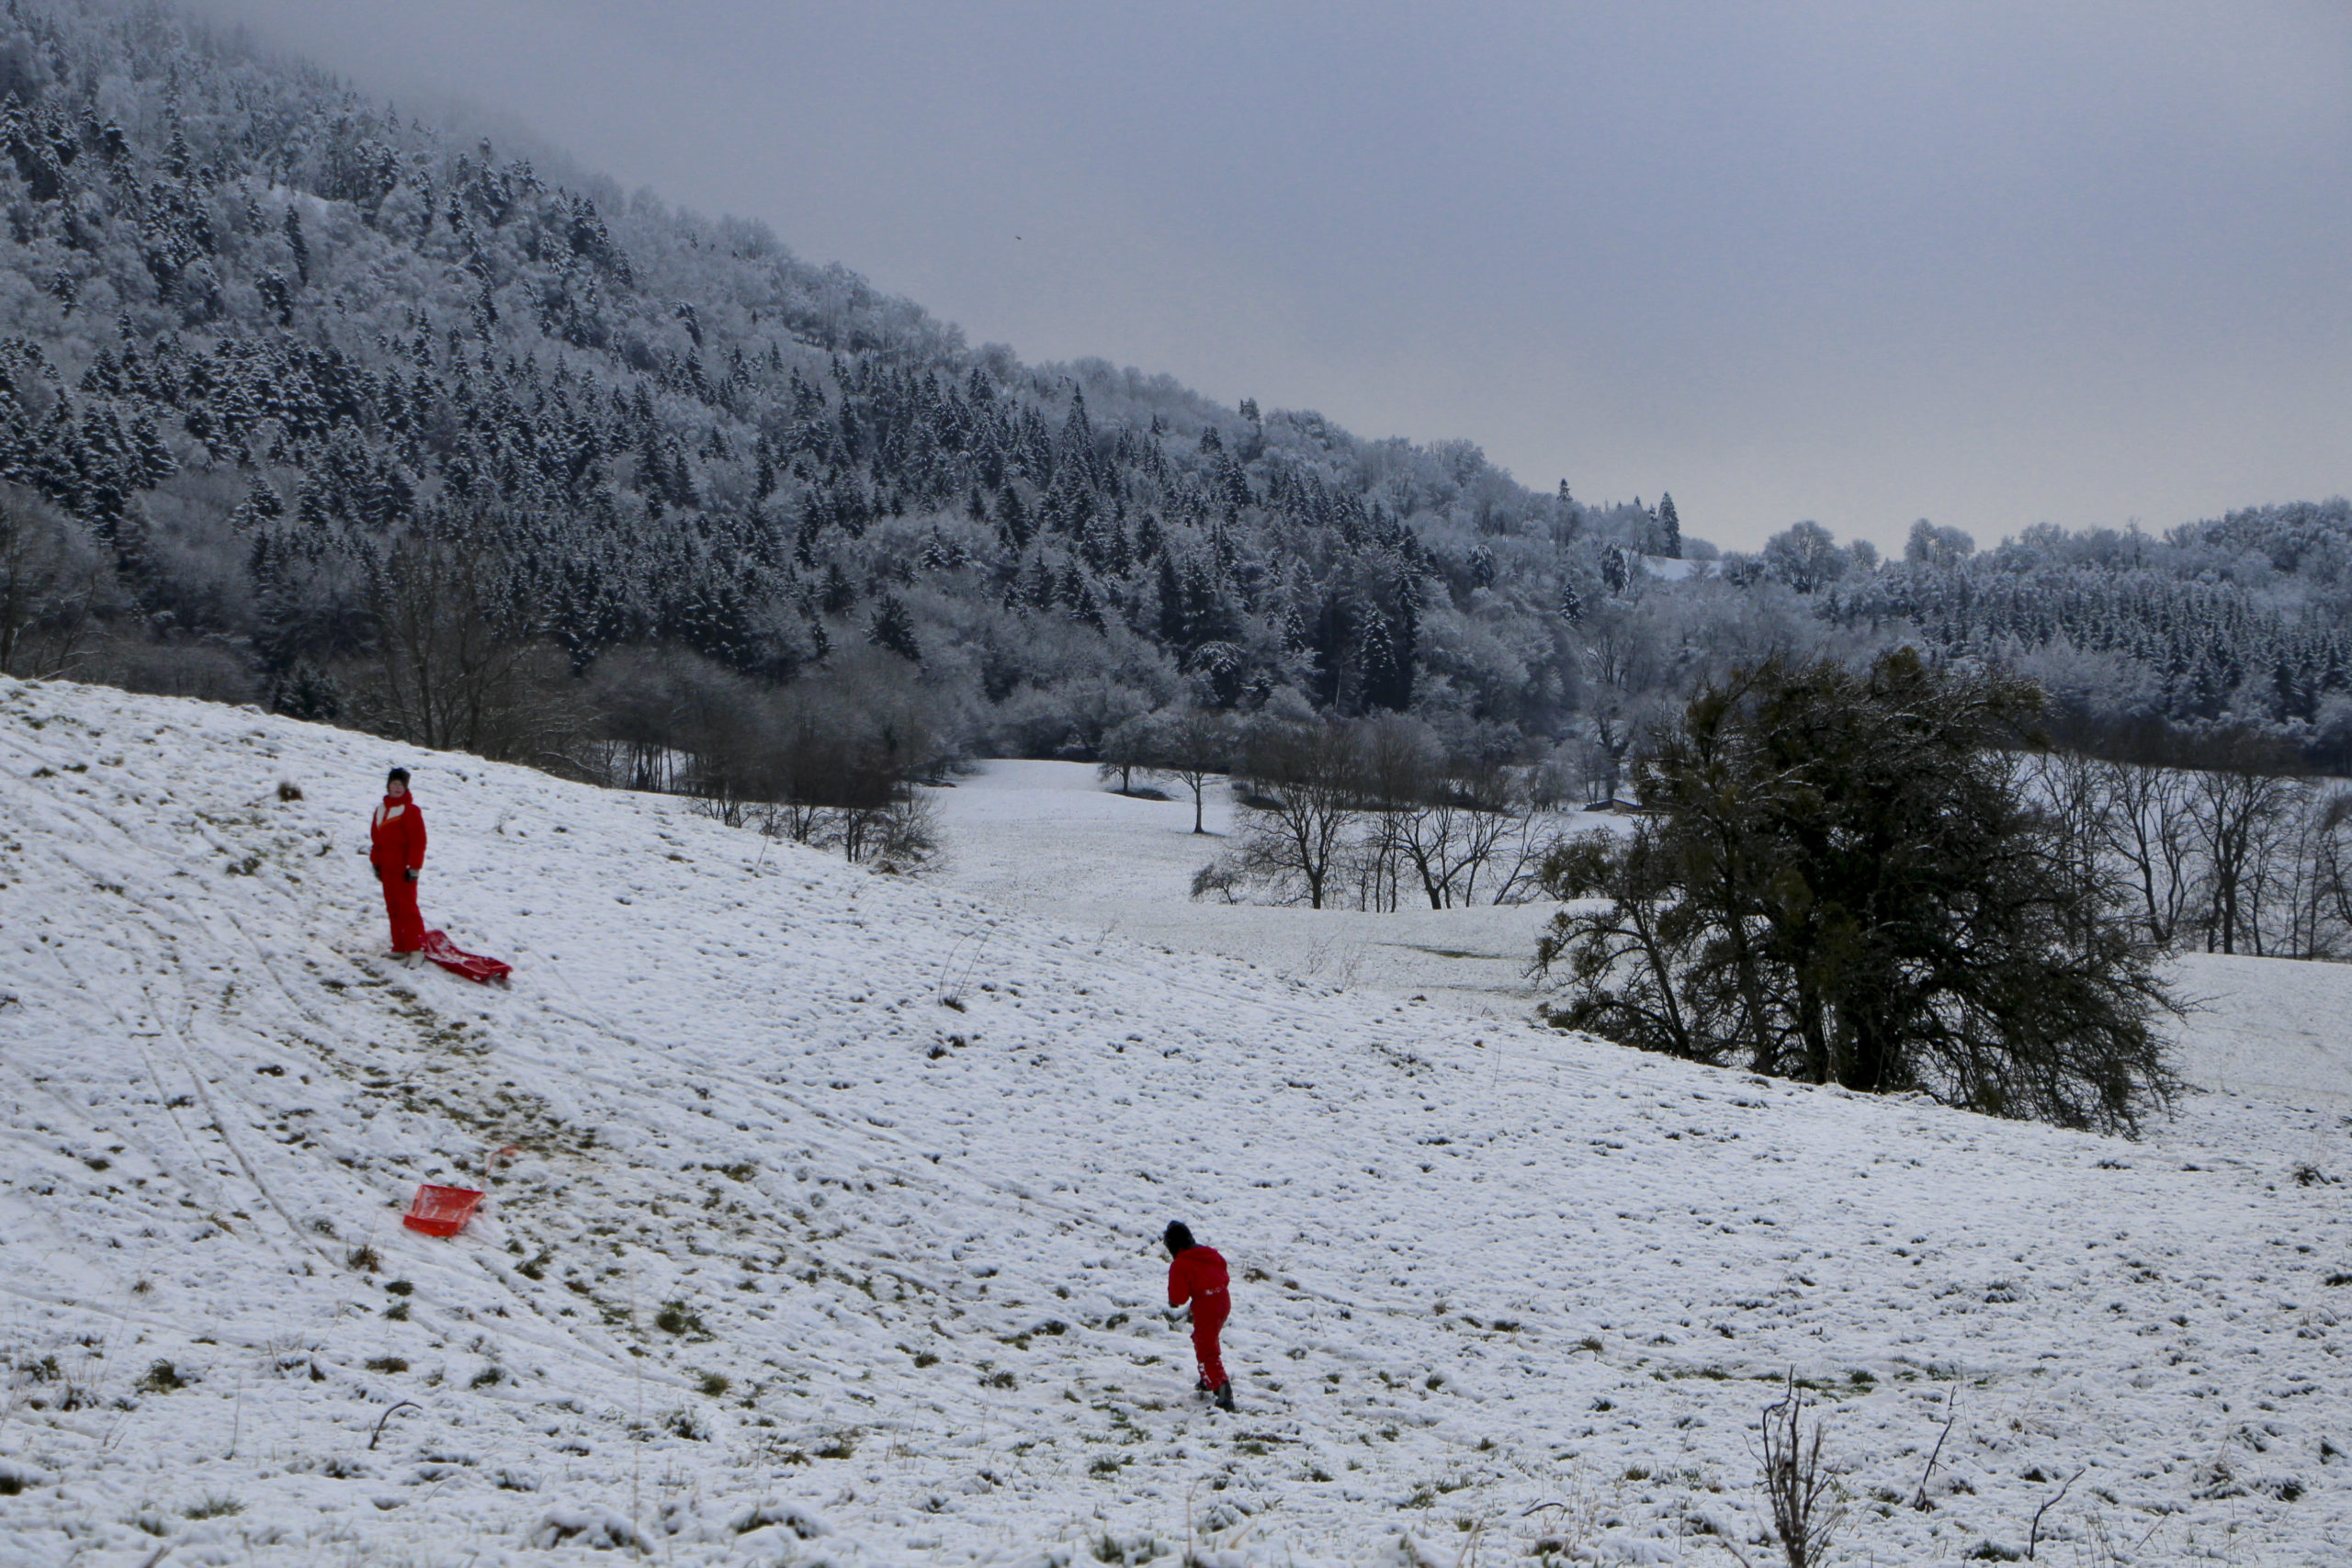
1049, 838
831, 1237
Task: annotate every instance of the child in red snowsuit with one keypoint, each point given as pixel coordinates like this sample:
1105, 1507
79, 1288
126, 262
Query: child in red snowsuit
396, 848
1196, 1274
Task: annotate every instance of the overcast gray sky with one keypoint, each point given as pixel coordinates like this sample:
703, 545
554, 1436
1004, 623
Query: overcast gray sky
1987, 264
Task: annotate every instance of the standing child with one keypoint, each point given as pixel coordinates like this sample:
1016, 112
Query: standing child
1196, 1274
396, 849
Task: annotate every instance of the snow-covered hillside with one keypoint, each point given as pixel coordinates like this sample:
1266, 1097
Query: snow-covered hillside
831, 1237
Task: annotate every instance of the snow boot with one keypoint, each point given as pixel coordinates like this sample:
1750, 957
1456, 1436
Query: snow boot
1225, 1396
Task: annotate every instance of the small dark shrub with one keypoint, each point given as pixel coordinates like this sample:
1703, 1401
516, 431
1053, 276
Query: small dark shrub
163, 1377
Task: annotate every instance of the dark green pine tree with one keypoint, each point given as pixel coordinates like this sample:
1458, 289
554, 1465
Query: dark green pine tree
1087, 608
1404, 632
1327, 640
152, 461
836, 597
260, 506
300, 247
1845, 881
1011, 520
1045, 588
1669, 528
1385, 677
1564, 521
1172, 604
1075, 454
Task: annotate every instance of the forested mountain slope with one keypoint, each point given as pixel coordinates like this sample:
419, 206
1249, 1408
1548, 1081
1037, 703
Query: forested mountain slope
2237, 622
288, 364
259, 332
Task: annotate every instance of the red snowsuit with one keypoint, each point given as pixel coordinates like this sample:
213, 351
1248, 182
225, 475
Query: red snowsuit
396, 848
1197, 1275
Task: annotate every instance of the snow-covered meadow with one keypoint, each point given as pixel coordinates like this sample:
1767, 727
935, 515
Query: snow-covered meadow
1049, 838
832, 1233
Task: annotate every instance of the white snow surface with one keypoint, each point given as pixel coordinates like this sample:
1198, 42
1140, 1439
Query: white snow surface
1499, 1291
1050, 837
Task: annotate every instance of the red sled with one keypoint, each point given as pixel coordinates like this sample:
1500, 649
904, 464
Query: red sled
458, 961
441, 1211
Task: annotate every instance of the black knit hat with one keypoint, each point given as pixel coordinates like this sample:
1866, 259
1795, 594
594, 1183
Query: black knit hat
1178, 1236
398, 775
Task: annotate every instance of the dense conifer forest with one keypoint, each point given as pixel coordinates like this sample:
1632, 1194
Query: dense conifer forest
308, 403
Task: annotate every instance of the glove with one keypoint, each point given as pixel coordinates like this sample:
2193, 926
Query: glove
412, 876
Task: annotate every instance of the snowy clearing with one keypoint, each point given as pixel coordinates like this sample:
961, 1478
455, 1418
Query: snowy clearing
1048, 837
831, 1238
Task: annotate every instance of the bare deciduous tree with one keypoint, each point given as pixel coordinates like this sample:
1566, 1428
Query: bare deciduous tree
1126, 746
1369, 809
52, 582
2146, 825
1191, 745
1306, 792
2239, 805
829, 760
455, 670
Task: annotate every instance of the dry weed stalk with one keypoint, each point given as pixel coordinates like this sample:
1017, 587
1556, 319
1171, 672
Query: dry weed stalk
1801, 1486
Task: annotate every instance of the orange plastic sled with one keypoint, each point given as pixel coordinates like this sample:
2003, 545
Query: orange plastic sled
441, 1211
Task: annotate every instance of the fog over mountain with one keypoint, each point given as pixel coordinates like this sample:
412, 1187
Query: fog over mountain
1992, 266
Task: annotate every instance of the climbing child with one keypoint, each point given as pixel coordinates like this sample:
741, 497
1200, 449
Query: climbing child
1196, 1274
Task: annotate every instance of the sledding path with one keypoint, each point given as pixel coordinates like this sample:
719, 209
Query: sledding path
837, 1199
